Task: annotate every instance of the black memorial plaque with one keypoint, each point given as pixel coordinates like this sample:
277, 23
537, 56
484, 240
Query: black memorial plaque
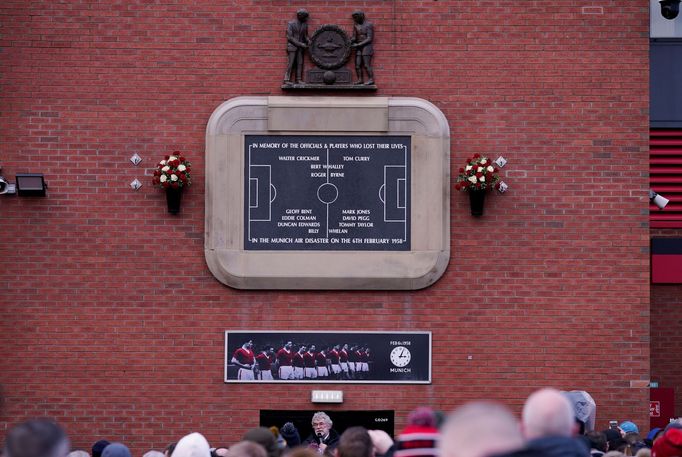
327, 193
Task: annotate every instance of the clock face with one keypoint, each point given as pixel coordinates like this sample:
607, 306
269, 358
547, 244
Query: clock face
400, 356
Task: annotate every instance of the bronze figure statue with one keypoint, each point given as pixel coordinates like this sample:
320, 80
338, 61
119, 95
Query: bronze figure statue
297, 43
363, 34
329, 49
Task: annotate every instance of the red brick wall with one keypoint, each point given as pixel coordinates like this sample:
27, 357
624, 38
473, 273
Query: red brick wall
110, 320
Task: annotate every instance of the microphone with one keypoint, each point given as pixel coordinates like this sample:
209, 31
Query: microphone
320, 438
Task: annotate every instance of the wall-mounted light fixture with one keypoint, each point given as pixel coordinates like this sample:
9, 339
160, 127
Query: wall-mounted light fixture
27, 184
657, 199
31, 185
670, 8
326, 396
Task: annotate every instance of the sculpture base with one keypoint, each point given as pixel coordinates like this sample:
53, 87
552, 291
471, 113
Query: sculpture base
306, 86
321, 79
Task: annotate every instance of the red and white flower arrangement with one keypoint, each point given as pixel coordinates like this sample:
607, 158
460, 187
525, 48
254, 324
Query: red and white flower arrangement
479, 173
173, 171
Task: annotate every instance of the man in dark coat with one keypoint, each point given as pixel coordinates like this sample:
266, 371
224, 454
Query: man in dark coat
297, 42
324, 438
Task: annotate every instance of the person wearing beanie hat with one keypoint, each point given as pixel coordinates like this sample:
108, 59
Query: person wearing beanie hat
423, 416
192, 445
116, 450
420, 437
629, 427
669, 444
98, 447
290, 434
264, 437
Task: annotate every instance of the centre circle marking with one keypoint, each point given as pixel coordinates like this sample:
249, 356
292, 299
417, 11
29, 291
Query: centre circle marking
327, 193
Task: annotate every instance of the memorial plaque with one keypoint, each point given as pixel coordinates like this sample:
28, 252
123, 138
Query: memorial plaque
327, 192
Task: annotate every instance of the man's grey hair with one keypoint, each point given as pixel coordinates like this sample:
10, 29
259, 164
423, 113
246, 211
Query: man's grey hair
78, 453
479, 429
547, 412
322, 416
153, 453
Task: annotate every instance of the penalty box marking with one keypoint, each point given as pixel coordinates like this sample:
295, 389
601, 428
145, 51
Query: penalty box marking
400, 180
255, 193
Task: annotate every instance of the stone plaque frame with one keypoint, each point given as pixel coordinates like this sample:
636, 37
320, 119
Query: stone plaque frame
383, 270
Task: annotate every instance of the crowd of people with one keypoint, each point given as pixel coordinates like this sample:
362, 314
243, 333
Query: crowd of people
548, 427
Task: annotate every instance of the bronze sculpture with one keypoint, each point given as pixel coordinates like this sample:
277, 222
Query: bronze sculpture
297, 42
329, 49
363, 34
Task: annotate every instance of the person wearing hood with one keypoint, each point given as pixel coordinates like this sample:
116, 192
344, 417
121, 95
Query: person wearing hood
192, 445
324, 439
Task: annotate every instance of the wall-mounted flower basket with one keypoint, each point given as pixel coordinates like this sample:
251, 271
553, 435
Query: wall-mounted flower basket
172, 174
477, 177
173, 198
477, 202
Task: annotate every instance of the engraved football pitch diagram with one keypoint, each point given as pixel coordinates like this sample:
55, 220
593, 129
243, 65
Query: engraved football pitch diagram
327, 192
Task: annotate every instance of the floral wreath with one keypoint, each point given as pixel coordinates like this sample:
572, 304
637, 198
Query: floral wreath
173, 172
478, 174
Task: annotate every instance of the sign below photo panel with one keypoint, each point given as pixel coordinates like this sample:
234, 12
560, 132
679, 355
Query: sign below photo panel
327, 193
332, 357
